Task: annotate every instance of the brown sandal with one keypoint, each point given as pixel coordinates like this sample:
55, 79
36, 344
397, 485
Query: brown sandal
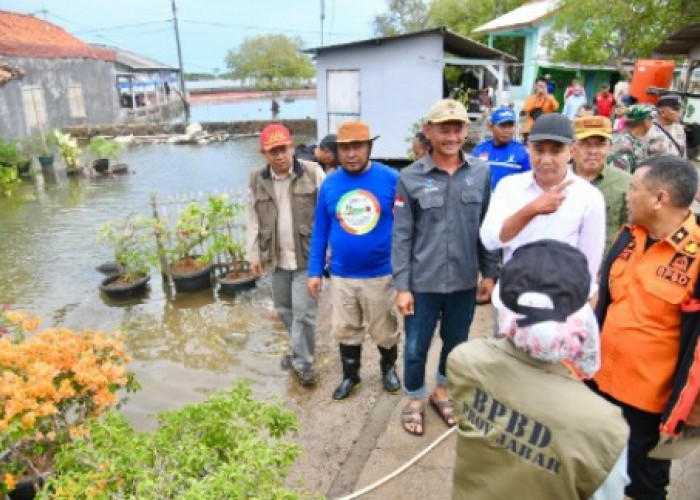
445, 409
412, 415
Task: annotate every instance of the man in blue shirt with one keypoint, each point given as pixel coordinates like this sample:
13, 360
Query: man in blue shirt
505, 155
354, 214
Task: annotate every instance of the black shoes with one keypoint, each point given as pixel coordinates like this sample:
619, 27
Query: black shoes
387, 363
286, 362
307, 377
350, 357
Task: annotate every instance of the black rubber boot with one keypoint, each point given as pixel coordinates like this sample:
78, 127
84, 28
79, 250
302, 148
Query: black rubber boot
350, 357
387, 363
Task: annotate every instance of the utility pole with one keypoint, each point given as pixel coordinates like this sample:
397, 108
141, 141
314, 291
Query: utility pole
183, 90
323, 17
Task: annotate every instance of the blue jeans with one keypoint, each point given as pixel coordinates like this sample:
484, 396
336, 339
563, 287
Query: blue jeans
455, 311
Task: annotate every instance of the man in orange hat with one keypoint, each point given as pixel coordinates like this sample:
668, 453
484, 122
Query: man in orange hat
354, 216
280, 217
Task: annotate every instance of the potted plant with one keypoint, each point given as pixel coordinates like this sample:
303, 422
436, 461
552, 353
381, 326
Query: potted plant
228, 236
39, 146
54, 382
70, 152
132, 241
104, 150
190, 267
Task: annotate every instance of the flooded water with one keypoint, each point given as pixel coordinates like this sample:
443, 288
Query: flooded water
184, 346
253, 109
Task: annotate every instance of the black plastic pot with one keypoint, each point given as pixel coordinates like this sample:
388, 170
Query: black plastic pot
24, 490
192, 281
124, 291
74, 172
101, 165
233, 286
24, 168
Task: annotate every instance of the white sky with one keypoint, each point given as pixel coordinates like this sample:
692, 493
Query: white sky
208, 28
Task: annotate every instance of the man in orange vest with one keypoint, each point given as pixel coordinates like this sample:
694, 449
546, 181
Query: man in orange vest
649, 314
538, 103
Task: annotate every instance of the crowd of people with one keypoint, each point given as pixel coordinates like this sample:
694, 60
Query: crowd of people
587, 249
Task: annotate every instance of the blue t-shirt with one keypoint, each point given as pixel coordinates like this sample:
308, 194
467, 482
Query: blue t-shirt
355, 215
514, 154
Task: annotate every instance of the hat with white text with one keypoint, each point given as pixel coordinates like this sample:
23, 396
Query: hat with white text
503, 115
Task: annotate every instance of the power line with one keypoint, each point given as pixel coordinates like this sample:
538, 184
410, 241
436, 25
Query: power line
260, 28
124, 26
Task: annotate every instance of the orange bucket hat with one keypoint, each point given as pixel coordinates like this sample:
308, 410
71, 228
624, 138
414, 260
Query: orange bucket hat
353, 132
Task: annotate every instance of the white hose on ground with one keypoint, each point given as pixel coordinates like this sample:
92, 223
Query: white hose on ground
401, 469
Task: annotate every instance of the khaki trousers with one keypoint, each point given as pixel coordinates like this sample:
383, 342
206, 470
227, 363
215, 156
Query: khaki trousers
362, 305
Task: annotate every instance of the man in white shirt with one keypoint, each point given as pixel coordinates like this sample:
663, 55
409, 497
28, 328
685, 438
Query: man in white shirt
550, 201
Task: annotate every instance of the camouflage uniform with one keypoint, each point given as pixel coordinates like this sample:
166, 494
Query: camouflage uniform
657, 143
678, 133
626, 152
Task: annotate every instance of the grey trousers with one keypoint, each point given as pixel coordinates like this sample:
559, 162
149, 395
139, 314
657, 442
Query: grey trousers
298, 312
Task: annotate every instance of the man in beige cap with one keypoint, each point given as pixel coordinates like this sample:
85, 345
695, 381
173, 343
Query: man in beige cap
354, 216
592, 144
280, 217
437, 255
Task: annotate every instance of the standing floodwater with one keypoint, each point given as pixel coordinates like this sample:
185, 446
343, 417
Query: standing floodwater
183, 346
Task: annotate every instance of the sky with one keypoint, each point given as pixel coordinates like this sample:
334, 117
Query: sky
208, 28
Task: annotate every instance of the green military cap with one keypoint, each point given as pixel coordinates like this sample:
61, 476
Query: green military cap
640, 112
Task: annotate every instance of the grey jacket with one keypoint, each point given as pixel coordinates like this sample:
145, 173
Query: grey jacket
435, 245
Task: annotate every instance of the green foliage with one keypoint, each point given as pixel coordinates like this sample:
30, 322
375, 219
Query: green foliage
269, 58
68, 148
191, 230
132, 240
403, 16
227, 238
9, 181
604, 32
103, 147
228, 446
462, 16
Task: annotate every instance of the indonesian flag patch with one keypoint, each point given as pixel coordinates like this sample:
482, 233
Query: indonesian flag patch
398, 202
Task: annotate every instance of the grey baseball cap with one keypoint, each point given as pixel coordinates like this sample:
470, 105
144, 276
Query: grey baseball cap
552, 127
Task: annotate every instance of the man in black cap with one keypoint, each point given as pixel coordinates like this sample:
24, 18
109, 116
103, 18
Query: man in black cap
549, 201
669, 125
528, 427
326, 153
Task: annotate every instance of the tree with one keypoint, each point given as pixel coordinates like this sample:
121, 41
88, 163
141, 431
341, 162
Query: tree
270, 58
462, 16
605, 32
403, 16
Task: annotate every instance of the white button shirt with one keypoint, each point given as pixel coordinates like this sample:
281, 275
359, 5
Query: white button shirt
579, 221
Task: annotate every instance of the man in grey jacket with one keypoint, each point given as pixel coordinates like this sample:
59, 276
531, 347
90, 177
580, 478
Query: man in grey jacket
440, 202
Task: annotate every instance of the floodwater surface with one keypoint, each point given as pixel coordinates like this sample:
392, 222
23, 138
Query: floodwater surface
184, 346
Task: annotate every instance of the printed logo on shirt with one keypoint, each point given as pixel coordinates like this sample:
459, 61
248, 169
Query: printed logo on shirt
673, 275
681, 262
430, 186
358, 211
691, 248
511, 159
679, 235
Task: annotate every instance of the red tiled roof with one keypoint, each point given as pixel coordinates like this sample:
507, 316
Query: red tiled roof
27, 36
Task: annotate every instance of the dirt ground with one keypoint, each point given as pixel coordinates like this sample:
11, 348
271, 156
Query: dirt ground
353, 443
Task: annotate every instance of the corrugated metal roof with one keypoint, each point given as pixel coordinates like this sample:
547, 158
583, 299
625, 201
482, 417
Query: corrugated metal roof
681, 42
453, 43
24, 35
137, 62
526, 15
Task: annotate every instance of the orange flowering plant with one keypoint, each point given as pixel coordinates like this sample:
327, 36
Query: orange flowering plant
51, 383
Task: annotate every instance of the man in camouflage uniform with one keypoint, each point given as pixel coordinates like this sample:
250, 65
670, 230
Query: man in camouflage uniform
632, 146
669, 126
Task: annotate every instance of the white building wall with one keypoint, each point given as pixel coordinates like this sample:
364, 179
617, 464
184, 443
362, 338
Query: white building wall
399, 81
